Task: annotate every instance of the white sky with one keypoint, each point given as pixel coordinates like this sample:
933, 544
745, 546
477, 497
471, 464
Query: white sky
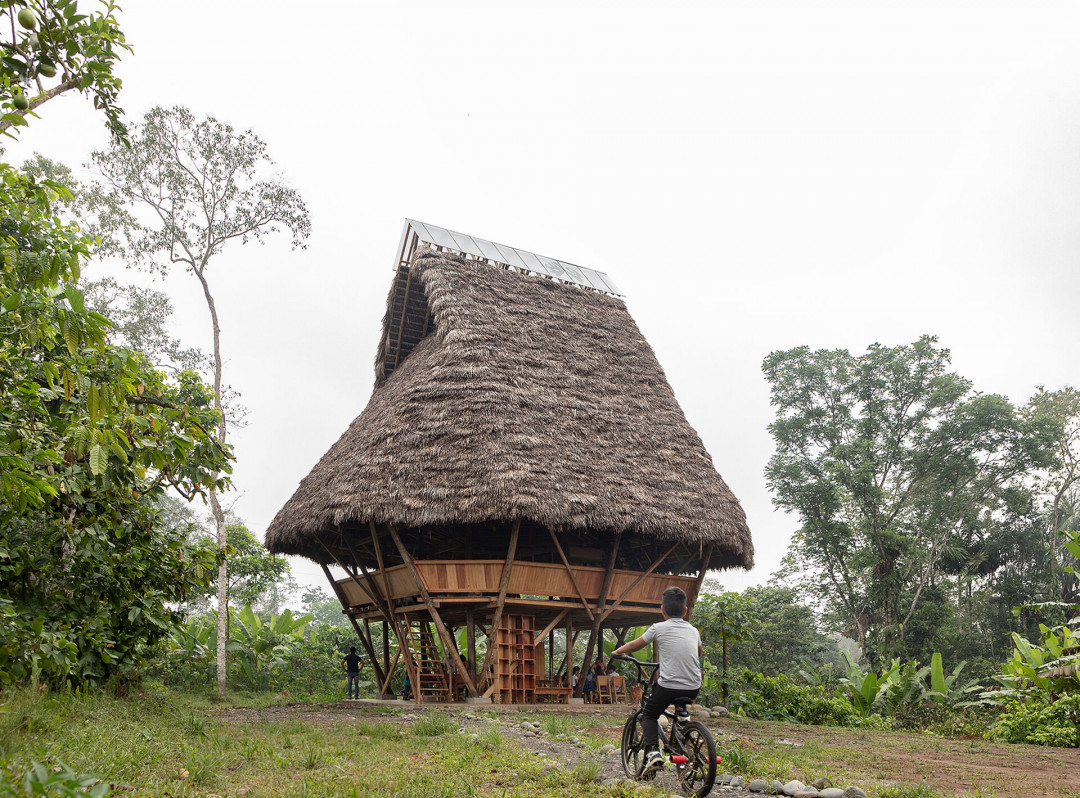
754, 176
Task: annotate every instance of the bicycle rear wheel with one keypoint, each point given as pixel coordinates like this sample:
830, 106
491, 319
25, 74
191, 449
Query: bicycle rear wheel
632, 749
697, 775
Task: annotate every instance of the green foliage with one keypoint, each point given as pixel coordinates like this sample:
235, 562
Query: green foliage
1056, 724
90, 439
1041, 673
56, 782
889, 459
778, 698
68, 49
765, 629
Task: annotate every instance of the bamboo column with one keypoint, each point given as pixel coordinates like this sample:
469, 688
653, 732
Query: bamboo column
511, 550
598, 615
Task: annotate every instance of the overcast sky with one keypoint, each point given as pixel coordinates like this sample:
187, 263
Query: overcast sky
754, 176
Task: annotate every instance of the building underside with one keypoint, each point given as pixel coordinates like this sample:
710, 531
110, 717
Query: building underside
544, 584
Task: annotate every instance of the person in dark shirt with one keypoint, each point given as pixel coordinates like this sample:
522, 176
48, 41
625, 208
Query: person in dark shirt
352, 663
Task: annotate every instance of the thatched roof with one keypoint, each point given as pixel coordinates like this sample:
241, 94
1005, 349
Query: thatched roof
507, 396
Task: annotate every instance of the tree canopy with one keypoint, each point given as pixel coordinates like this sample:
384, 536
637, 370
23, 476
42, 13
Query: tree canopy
891, 461
91, 437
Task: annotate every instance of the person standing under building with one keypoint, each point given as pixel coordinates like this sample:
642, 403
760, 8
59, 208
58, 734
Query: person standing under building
351, 664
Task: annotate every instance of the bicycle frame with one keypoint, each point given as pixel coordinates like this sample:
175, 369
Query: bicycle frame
688, 743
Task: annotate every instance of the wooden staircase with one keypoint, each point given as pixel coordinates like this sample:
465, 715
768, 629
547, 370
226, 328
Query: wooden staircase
433, 680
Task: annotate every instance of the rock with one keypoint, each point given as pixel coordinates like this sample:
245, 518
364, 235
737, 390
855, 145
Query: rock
809, 792
526, 725
832, 792
607, 749
776, 787
724, 778
738, 781
758, 785
611, 782
854, 792
721, 711
822, 783
793, 787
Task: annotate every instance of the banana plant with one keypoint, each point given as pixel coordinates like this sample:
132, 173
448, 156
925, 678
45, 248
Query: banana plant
944, 689
864, 690
260, 647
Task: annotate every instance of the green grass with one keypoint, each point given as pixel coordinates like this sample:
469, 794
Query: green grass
166, 743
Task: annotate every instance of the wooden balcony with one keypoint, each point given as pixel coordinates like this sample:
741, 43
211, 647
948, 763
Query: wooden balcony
543, 588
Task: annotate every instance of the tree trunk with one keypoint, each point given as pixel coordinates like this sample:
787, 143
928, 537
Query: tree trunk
222, 594
215, 505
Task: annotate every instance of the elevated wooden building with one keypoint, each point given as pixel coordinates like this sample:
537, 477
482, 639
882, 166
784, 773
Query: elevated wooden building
521, 467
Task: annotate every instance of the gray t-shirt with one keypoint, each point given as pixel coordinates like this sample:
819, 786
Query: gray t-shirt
680, 667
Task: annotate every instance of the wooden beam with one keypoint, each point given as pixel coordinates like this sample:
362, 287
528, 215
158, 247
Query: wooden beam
636, 582
382, 566
366, 643
597, 620
700, 580
470, 641
444, 633
570, 572
541, 635
390, 672
511, 550
344, 603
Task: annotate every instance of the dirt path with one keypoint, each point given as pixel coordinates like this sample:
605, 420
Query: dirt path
960, 767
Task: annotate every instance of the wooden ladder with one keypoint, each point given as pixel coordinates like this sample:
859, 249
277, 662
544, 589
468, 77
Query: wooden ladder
429, 667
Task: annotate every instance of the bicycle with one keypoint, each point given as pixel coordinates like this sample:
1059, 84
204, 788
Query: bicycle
688, 743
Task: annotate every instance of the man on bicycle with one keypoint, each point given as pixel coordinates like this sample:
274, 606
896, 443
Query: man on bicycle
680, 670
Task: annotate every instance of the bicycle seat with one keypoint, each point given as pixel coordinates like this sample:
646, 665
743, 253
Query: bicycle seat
681, 711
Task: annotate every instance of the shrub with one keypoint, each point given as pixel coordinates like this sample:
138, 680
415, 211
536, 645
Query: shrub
1057, 724
778, 698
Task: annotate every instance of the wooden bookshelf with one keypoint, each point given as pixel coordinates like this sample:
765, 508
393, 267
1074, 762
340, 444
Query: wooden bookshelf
516, 660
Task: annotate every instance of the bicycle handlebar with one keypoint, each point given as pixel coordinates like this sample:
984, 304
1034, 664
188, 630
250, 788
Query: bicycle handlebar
641, 666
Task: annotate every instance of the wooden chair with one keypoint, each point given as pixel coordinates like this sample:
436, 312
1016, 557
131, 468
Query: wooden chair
603, 689
617, 685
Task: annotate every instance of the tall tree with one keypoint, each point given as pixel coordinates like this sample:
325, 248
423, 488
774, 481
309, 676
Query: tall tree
888, 457
91, 438
1060, 484
182, 191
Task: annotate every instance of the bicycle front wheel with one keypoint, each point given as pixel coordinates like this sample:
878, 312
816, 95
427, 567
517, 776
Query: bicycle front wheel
633, 750
699, 773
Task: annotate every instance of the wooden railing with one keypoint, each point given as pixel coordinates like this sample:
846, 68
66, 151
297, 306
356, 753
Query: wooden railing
481, 578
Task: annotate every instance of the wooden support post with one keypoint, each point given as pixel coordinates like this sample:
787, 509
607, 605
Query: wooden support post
470, 641
366, 643
570, 572
597, 618
700, 580
386, 647
637, 581
511, 550
344, 603
444, 633
390, 673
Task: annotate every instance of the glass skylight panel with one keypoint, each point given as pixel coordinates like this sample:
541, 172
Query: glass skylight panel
441, 237
510, 257
554, 267
489, 250
531, 261
465, 244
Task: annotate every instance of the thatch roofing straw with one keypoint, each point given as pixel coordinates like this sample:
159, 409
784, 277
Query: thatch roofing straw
528, 399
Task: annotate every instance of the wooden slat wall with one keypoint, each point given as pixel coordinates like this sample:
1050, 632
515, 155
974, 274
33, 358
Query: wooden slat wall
536, 579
